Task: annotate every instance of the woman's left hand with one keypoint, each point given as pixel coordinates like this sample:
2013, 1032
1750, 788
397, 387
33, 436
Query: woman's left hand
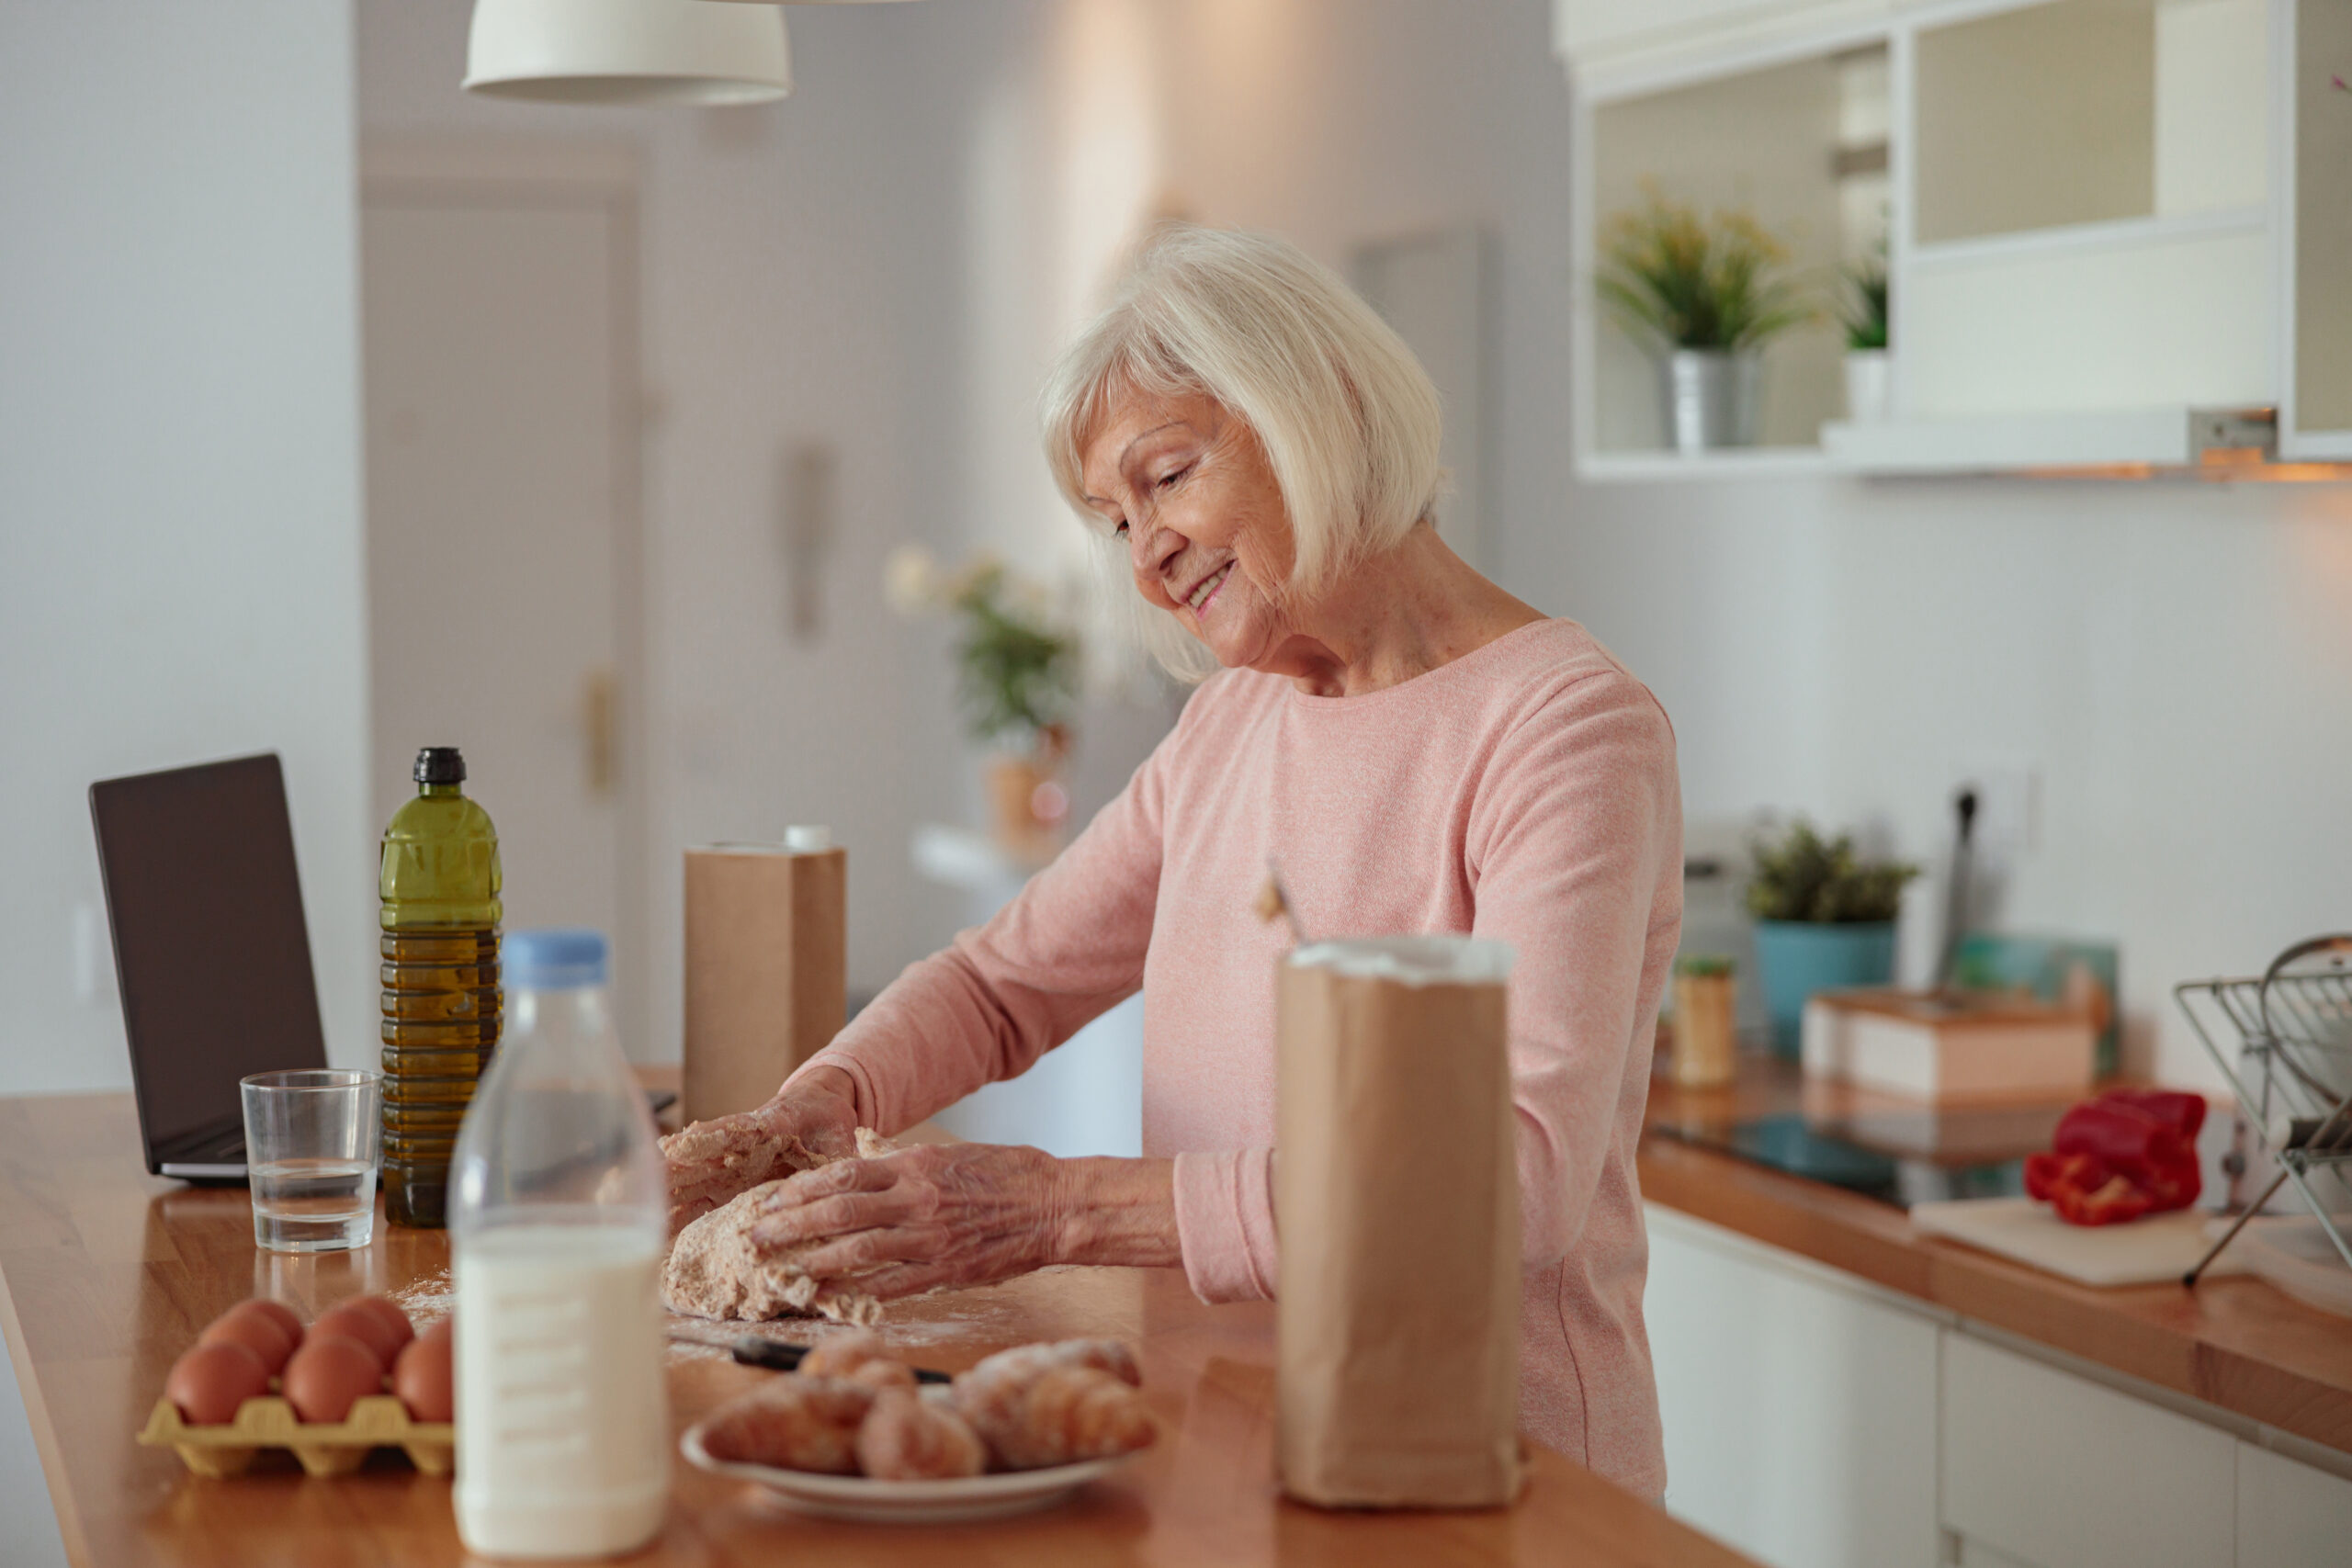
920, 1218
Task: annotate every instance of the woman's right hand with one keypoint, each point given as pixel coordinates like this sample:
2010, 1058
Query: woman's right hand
812, 1118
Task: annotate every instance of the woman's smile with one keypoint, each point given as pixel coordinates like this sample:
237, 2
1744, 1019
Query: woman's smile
1200, 596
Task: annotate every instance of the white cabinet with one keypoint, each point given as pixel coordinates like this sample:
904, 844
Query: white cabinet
1799, 1410
2289, 1514
2050, 1469
1813, 1419
1585, 31
2101, 218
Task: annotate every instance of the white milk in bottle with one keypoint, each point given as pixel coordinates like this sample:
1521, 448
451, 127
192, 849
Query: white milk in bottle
558, 1225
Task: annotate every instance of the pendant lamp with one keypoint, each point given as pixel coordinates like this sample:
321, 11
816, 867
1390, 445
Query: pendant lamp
633, 53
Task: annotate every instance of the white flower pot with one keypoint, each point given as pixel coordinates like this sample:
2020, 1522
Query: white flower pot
1867, 386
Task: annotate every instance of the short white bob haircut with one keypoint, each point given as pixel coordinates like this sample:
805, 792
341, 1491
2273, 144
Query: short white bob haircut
1347, 417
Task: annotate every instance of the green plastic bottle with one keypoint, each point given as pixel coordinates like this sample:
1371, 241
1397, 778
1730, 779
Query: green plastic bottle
442, 1003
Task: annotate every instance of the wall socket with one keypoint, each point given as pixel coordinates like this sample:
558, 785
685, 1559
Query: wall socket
2009, 811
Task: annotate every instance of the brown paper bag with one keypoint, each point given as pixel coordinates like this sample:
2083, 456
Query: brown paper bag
766, 967
1396, 1195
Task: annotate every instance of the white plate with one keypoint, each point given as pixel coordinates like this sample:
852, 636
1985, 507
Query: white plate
906, 1502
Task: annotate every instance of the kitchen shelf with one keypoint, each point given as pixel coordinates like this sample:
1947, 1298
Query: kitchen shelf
2079, 239
1729, 463
2158, 437
2102, 215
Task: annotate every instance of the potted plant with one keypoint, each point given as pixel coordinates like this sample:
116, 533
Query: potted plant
1704, 295
1862, 312
1016, 680
1824, 919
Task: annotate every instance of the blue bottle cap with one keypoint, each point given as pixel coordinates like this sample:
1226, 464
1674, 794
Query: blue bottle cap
556, 958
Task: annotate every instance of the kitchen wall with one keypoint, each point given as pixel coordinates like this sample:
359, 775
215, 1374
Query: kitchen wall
2166, 662
799, 287
180, 551
179, 495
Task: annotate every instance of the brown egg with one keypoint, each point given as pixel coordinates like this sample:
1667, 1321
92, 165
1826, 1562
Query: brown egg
386, 1312
211, 1381
278, 1313
373, 1320
328, 1373
426, 1377
256, 1331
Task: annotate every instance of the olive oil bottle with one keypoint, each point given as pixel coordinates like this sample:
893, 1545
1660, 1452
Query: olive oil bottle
442, 1003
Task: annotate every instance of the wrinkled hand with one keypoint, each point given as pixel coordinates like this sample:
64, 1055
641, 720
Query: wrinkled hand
710, 1162
919, 1219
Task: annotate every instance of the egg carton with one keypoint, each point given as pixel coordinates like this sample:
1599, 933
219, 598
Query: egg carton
325, 1448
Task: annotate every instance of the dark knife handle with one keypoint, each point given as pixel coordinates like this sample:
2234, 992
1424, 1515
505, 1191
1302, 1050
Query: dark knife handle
778, 1357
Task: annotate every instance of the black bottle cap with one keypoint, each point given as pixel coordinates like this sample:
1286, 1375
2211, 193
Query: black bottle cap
439, 765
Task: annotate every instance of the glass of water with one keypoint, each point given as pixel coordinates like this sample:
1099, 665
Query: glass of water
312, 1139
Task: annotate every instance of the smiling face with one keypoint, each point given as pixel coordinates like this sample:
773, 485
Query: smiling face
1185, 486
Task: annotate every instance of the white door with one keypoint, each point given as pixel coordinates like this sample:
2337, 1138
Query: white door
498, 341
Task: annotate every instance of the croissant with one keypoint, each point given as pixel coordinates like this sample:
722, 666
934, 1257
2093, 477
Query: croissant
861, 1356
793, 1423
907, 1438
1058, 1414
1027, 1361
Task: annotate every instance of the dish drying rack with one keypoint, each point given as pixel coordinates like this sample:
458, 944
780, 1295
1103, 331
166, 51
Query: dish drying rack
2291, 1071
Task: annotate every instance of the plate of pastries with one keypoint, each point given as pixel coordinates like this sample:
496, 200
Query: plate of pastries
853, 1434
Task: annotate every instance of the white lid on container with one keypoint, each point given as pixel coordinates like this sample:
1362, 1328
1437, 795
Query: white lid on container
1411, 960
808, 841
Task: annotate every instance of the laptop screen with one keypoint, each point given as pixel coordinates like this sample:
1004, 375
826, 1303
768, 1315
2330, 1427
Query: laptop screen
212, 957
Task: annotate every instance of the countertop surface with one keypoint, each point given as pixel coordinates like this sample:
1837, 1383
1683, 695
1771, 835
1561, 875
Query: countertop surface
106, 1275
2234, 1343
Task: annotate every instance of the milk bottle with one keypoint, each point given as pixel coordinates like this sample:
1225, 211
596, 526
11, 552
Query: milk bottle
558, 1223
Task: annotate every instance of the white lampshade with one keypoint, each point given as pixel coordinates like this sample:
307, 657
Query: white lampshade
628, 52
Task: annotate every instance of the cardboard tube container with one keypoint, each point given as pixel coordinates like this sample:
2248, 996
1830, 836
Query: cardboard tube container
1396, 1191
766, 967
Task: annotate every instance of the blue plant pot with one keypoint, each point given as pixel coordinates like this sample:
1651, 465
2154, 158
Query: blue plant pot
1796, 958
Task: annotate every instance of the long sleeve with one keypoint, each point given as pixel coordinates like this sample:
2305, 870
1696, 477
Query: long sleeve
1067, 948
1569, 835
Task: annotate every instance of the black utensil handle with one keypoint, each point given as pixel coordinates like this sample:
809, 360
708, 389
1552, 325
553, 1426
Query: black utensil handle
775, 1355
778, 1357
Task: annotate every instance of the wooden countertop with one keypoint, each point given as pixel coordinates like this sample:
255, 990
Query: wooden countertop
2235, 1342
106, 1274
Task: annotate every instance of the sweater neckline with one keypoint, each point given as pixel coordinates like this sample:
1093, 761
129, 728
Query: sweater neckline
1429, 683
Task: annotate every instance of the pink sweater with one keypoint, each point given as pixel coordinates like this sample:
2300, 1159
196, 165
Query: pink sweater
1526, 792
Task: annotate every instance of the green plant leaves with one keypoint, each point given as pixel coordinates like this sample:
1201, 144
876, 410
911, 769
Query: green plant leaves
1805, 878
1687, 282
1015, 676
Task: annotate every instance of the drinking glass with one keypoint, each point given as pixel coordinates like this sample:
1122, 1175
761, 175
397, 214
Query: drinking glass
311, 1148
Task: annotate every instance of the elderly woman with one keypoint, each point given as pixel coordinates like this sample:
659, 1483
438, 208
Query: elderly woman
1419, 752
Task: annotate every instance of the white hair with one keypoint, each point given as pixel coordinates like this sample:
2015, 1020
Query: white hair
1347, 417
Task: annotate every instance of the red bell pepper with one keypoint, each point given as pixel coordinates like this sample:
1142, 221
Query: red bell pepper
2184, 1113
2083, 1190
2128, 1153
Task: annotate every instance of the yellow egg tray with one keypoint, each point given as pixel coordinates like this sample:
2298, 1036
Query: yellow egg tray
326, 1447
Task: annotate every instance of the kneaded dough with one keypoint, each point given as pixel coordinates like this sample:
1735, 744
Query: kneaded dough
713, 1270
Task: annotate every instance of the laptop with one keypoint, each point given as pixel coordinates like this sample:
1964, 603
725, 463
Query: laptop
211, 952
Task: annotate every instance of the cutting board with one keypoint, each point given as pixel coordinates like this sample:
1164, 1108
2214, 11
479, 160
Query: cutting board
2140, 1252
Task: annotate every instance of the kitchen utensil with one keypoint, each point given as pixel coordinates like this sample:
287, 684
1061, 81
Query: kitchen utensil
2140, 1252
311, 1148
2293, 1065
775, 1356
1964, 806
867, 1501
